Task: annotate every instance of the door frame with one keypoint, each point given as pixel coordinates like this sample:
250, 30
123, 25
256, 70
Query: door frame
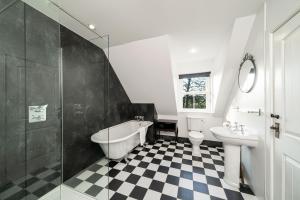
269, 93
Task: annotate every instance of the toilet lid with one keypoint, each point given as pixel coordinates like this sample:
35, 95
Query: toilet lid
196, 134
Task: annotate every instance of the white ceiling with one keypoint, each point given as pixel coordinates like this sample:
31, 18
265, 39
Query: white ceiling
200, 24
207, 43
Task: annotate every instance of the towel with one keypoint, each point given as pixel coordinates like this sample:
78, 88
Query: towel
142, 135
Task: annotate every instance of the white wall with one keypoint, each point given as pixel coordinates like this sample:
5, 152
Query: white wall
218, 73
208, 120
145, 71
229, 66
253, 159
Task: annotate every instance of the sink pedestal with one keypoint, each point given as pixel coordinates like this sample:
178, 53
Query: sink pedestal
232, 165
232, 141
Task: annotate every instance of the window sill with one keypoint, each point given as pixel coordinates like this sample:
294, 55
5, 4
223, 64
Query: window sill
194, 111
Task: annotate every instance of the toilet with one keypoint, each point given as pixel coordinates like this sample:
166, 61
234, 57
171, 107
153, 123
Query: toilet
195, 127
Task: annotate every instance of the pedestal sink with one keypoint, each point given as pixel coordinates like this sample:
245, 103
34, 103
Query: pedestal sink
232, 141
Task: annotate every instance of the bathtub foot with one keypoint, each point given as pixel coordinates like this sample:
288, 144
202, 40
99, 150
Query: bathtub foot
126, 160
144, 145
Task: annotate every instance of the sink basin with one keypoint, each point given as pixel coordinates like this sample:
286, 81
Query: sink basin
228, 136
232, 141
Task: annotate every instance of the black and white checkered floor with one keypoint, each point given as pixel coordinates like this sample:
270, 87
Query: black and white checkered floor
165, 170
34, 185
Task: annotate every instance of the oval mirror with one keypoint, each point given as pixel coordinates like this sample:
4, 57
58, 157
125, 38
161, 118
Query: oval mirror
247, 74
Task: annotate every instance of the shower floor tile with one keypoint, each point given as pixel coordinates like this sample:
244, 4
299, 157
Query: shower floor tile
34, 185
165, 170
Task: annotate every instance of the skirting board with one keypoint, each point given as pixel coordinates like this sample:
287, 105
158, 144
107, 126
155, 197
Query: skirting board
209, 143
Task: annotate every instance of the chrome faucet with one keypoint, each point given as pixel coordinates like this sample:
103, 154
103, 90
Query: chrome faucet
236, 126
242, 129
139, 118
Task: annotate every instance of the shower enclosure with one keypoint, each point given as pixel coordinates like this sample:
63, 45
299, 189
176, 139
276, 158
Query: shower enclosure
53, 97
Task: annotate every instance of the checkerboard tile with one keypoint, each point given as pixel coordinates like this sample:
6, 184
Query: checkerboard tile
34, 185
166, 170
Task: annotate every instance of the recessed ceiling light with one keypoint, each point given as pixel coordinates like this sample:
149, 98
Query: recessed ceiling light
92, 26
193, 50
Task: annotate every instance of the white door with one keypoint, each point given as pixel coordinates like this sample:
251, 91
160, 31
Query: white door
286, 104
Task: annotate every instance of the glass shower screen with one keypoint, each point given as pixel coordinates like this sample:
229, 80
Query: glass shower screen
53, 98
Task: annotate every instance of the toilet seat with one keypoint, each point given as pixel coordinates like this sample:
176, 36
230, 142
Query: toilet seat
196, 135
196, 138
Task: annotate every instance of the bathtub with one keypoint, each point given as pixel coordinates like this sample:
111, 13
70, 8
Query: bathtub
117, 141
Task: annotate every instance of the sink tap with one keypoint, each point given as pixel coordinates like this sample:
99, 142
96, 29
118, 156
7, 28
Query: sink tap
235, 127
242, 129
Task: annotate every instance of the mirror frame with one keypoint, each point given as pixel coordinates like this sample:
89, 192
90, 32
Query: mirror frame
247, 57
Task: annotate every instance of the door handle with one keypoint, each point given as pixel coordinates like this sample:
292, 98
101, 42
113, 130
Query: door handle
276, 128
275, 116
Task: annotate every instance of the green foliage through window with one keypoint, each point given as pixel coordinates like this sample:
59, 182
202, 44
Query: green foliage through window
200, 101
188, 101
194, 101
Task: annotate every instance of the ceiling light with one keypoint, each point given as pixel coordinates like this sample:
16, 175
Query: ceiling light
193, 50
92, 26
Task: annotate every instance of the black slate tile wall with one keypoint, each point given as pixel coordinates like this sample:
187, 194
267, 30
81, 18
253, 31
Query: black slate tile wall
29, 75
43, 139
94, 99
12, 90
84, 83
118, 103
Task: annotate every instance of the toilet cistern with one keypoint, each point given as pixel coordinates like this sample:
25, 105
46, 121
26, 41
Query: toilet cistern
232, 141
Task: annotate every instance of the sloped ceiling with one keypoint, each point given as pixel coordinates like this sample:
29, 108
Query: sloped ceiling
229, 62
145, 71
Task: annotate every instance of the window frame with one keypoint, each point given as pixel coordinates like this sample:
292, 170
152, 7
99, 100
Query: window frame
207, 92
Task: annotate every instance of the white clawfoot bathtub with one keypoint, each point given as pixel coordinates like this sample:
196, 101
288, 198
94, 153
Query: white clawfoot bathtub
117, 141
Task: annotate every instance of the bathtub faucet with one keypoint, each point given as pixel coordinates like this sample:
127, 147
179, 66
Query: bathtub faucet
139, 118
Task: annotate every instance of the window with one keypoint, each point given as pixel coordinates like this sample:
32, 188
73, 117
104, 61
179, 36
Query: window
195, 91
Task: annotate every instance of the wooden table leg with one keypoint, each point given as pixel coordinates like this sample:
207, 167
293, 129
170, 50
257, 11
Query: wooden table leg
176, 133
159, 134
